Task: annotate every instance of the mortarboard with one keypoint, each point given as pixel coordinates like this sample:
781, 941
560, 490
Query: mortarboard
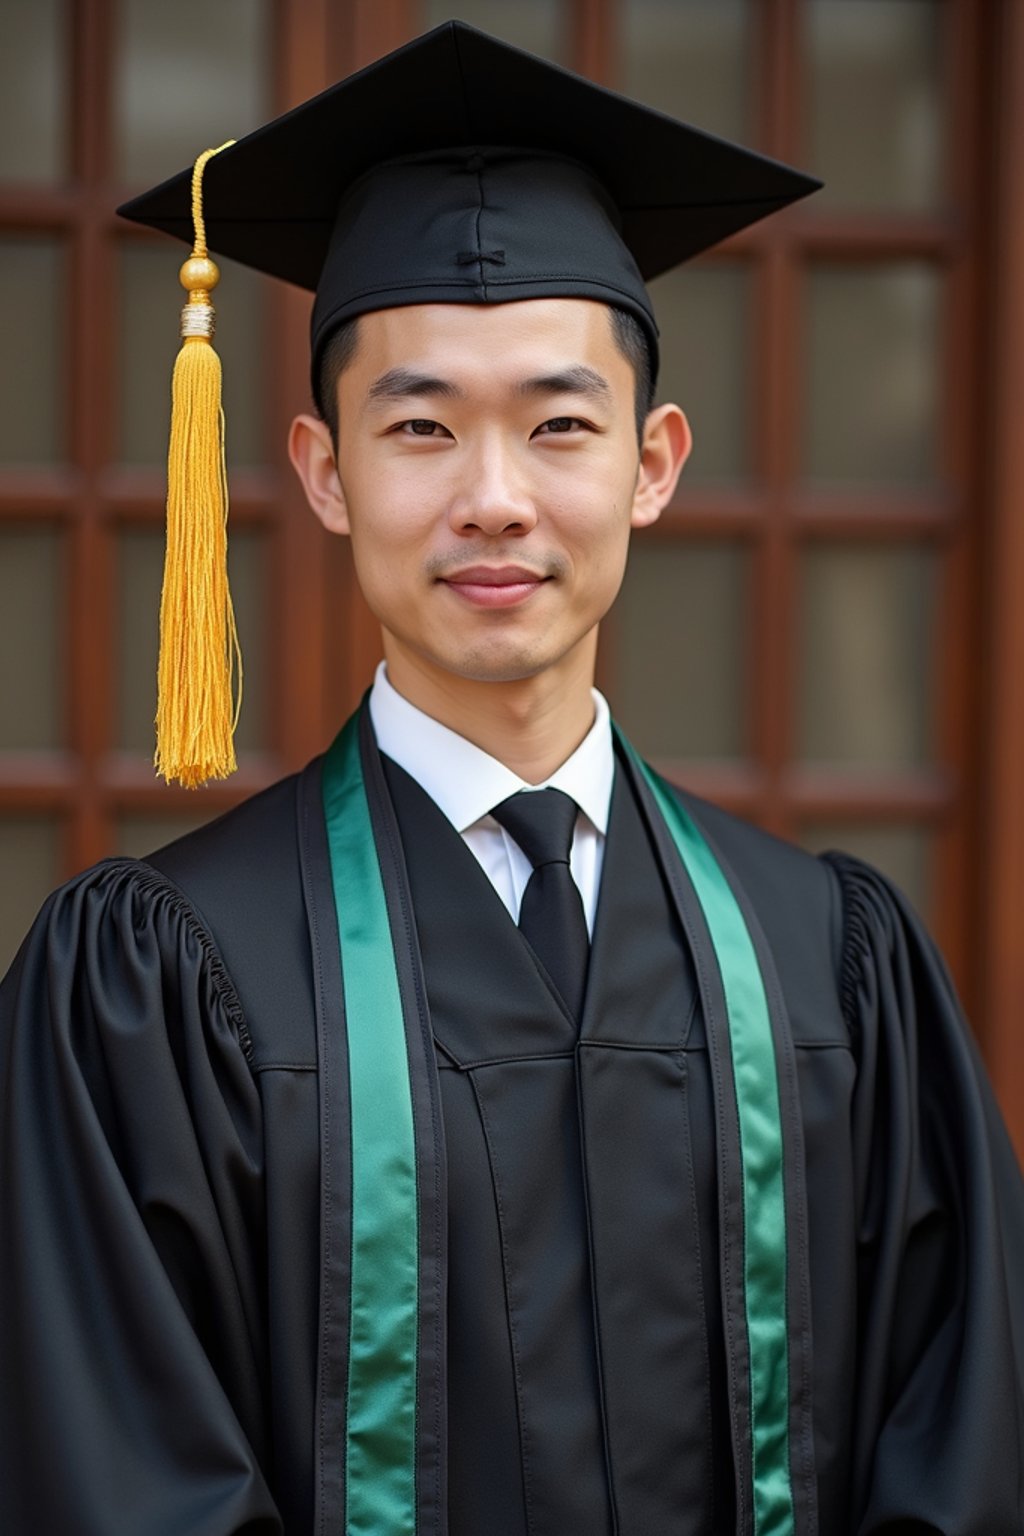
456, 169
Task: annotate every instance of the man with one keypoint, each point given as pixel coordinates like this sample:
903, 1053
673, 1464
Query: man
473, 1134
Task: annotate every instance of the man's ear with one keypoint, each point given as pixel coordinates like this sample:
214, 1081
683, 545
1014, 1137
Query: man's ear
665, 449
312, 454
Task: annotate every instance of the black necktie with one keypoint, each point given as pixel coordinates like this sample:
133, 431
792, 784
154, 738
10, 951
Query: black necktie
551, 914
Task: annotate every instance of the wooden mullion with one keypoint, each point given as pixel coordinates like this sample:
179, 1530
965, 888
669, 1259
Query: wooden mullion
44, 492
770, 640
26, 211
869, 237
361, 31
306, 65
34, 780
91, 329
593, 45
869, 793
956, 642
92, 54
784, 78
700, 518
878, 513
1003, 638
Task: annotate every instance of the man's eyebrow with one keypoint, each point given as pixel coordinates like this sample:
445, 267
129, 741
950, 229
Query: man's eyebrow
402, 383
406, 383
577, 380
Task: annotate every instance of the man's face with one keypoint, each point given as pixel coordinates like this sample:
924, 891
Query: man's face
488, 462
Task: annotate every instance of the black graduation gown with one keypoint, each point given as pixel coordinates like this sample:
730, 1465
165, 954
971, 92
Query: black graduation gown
172, 1201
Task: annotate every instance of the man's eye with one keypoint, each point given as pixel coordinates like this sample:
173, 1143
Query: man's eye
423, 428
560, 424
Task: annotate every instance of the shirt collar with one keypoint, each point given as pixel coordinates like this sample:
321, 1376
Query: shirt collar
465, 781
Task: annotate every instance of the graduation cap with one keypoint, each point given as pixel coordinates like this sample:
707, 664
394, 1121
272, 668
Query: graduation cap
457, 170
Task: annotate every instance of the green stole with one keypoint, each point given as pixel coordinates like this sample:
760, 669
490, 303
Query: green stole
380, 1460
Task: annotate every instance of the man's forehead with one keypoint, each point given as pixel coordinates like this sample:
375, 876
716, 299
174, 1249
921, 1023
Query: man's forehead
560, 327
518, 349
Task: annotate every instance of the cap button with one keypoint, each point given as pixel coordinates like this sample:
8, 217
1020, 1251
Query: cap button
475, 163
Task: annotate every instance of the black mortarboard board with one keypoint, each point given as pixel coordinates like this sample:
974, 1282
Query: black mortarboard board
459, 169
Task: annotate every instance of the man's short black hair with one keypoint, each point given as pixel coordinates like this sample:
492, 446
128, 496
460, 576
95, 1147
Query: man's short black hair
627, 330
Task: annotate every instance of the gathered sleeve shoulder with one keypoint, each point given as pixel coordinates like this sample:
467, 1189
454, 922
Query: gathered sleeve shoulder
131, 1223
940, 1389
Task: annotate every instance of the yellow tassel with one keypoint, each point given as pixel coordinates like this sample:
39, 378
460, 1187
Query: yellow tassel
200, 659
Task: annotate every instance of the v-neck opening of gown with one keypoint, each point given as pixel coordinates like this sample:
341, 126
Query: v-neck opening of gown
479, 904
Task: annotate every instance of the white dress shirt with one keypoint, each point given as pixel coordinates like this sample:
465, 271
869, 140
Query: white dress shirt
465, 783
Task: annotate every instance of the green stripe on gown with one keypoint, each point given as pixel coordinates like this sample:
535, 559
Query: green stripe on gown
761, 1154
381, 1415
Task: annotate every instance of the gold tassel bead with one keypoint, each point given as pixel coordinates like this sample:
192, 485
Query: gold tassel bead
199, 274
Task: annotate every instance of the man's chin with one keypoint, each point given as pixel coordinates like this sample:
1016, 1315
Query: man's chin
491, 660
506, 662
505, 669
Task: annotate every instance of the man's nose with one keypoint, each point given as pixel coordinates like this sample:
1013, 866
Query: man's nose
495, 498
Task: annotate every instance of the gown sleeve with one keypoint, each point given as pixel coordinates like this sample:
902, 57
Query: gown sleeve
131, 1365
940, 1388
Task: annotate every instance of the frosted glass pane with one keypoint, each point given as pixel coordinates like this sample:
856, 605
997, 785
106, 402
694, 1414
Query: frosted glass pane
32, 609
704, 317
150, 304
531, 24
885, 53
904, 853
33, 365
29, 869
138, 835
139, 577
690, 58
872, 383
679, 635
33, 90
867, 620
187, 76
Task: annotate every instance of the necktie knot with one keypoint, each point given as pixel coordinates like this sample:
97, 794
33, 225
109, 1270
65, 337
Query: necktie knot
542, 822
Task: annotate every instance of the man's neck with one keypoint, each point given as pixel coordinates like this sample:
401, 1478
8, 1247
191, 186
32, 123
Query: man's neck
532, 724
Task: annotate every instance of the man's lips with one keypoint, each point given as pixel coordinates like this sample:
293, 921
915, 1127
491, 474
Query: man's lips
494, 586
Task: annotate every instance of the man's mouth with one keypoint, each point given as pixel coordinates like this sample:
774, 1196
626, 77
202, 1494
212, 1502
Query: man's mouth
494, 586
